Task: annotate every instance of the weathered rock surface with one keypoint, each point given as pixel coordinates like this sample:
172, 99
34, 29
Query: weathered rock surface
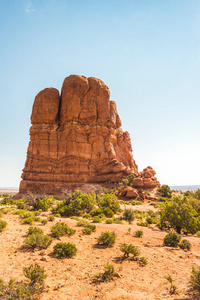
76, 139
146, 179
129, 192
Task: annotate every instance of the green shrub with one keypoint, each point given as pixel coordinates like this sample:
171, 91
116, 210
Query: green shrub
195, 279
89, 229
44, 221
172, 239
8, 201
179, 214
60, 229
43, 204
36, 274
117, 221
76, 204
165, 191
139, 233
173, 288
37, 240
108, 274
109, 221
143, 224
57, 215
5, 195
135, 202
129, 249
25, 291
185, 244
65, 250
107, 238
2, 225
130, 178
149, 220
34, 230
97, 219
87, 216
29, 220
96, 212
82, 222
110, 201
21, 204
51, 218
37, 213
143, 261
128, 215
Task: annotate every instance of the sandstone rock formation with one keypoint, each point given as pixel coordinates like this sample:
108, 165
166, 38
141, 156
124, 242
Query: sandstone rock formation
76, 139
146, 179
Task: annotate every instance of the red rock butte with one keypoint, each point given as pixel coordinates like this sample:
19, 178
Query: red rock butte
76, 139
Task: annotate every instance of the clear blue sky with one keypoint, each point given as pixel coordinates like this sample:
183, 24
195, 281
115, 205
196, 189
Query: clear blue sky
147, 52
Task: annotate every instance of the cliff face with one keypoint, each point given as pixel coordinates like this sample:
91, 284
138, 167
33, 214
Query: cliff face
75, 138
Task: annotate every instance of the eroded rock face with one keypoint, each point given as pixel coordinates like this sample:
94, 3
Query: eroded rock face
75, 139
146, 179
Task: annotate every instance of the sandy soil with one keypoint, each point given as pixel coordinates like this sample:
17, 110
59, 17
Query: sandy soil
72, 278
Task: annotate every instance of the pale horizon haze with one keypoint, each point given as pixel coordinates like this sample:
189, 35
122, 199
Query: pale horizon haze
147, 52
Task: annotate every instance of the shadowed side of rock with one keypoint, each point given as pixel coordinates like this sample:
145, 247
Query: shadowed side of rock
75, 139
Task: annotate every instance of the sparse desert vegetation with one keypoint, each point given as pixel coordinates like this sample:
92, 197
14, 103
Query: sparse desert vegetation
88, 247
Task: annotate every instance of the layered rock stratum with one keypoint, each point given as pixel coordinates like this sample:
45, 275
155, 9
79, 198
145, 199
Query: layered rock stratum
76, 139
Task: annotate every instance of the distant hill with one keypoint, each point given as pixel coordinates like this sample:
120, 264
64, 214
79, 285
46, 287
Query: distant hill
185, 188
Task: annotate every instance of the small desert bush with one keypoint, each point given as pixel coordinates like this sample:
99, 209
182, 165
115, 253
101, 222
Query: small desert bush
139, 233
2, 225
117, 221
128, 215
38, 240
106, 211
82, 222
109, 221
165, 191
25, 291
43, 204
27, 217
44, 221
76, 204
8, 201
173, 288
108, 274
178, 213
143, 261
172, 239
185, 244
129, 249
98, 219
143, 224
135, 202
107, 238
87, 216
195, 280
65, 250
149, 220
51, 218
60, 229
34, 230
29, 220
37, 213
89, 229
35, 273
19, 203
109, 201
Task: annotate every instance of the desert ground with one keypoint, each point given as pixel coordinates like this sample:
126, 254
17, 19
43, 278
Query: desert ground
72, 278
